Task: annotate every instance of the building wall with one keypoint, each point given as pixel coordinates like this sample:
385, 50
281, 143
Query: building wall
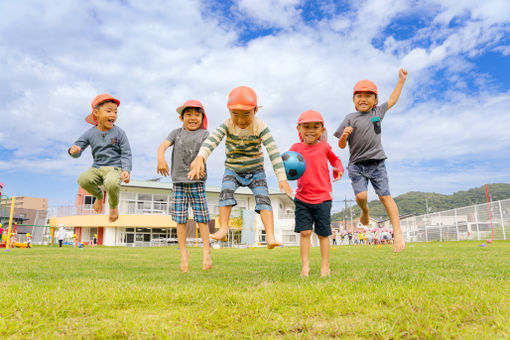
29, 203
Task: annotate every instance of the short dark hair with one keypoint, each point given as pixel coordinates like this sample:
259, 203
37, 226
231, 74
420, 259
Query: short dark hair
102, 103
199, 109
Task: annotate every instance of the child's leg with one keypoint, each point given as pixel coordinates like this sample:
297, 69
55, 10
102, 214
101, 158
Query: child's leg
221, 234
304, 247
392, 210
90, 180
181, 239
324, 245
258, 186
361, 199
112, 180
229, 185
268, 221
204, 233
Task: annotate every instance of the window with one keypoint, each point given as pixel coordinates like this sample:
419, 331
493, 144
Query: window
89, 200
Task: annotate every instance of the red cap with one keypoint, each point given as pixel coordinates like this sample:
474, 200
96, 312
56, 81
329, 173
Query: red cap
242, 98
310, 116
365, 85
91, 119
194, 103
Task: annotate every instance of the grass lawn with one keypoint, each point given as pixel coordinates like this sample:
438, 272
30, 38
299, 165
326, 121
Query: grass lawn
435, 290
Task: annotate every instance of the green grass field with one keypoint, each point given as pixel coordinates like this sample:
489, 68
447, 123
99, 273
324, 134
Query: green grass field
435, 290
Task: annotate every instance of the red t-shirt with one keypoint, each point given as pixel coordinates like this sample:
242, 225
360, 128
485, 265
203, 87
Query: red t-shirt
314, 186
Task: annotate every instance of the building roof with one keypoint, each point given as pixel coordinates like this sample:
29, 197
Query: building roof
208, 188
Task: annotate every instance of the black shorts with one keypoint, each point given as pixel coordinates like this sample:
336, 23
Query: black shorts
309, 216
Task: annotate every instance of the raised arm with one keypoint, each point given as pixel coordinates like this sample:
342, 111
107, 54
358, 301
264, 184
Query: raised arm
402, 76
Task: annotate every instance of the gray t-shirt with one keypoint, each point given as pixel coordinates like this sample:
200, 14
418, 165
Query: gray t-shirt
109, 148
365, 139
186, 145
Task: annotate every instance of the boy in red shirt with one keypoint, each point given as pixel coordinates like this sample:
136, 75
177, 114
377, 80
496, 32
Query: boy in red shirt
313, 195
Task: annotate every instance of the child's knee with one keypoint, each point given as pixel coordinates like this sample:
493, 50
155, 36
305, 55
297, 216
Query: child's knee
111, 185
84, 180
306, 233
362, 196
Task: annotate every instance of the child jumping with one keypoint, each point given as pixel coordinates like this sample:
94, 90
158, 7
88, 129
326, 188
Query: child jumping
244, 165
362, 130
187, 141
313, 195
111, 153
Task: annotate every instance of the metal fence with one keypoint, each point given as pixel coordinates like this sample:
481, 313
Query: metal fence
476, 222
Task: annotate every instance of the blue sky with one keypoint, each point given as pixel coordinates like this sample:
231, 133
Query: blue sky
448, 132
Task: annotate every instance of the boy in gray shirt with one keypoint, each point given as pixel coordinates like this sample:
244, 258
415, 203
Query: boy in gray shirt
362, 130
187, 141
111, 153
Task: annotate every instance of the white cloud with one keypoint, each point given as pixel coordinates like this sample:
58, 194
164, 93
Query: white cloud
273, 13
154, 58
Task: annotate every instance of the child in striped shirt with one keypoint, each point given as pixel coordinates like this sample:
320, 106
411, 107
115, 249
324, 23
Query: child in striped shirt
244, 165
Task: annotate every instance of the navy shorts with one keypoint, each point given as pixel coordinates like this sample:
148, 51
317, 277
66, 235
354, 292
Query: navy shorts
372, 170
256, 181
185, 194
310, 216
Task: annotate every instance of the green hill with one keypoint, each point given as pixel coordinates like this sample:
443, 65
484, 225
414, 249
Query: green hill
415, 202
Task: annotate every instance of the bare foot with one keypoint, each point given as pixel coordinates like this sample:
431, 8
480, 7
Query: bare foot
184, 262
98, 205
364, 217
271, 243
220, 235
114, 214
325, 271
398, 244
207, 262
305, 271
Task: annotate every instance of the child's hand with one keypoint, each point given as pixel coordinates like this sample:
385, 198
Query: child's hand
337, 174
347, 131
125, 176
197, 168
402, 74
285, 187
74, 150
162, 168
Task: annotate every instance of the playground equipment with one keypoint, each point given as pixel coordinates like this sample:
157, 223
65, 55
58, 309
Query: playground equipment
9, 230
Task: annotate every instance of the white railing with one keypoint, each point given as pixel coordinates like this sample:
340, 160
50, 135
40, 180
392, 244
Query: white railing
476, 222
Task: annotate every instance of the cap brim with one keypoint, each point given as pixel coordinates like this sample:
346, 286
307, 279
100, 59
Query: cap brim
242, 107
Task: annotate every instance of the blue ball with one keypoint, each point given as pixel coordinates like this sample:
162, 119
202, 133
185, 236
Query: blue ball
294, 164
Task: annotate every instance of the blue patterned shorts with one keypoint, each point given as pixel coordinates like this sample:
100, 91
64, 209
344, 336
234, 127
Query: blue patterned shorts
256, 181
185, 194
373, 171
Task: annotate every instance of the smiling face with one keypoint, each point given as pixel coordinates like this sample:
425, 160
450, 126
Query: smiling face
310, 132
242, 118
364, 101
106, 115
192, 118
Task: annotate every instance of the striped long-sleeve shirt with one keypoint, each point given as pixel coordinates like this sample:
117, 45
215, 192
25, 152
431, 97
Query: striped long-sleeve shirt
243, 147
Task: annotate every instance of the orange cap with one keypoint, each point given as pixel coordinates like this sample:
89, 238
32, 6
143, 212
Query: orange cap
194, 103
310, 116
91, 119
365, 85
242, 98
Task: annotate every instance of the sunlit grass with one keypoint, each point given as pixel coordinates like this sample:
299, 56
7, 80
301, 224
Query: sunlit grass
436, 290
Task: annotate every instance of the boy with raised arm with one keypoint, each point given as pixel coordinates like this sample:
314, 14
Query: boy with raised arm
362, 131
